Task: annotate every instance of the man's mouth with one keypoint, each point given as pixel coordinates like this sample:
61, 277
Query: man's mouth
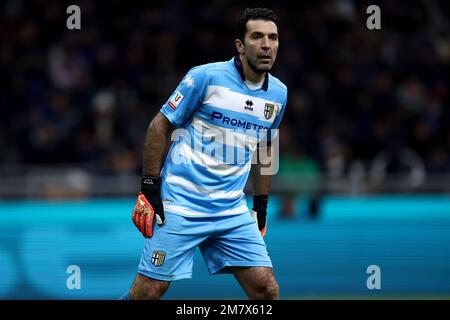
265, 57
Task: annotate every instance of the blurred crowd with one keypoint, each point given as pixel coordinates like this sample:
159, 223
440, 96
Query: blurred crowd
87, 96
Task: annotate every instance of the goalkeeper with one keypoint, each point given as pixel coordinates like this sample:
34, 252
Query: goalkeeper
194, 195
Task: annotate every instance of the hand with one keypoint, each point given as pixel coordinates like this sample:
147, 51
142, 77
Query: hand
260, 218
259, 212
148, 205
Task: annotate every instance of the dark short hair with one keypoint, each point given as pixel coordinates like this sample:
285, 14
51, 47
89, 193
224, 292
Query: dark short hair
255, 14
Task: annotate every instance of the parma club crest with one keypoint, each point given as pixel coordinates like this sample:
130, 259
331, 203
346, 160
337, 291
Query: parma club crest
268, 110
158, 258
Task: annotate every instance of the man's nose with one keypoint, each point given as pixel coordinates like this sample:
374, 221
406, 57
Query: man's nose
265, 43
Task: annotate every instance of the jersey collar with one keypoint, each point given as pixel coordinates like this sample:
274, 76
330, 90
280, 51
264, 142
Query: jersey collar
238, 65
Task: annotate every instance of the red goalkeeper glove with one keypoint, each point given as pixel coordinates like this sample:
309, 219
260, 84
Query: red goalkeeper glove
148, 205
259, 212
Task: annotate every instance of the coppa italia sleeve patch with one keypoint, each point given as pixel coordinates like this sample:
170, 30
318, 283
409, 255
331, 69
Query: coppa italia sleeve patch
176, 99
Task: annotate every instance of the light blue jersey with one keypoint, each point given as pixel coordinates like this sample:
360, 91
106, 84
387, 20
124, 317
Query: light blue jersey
222, 121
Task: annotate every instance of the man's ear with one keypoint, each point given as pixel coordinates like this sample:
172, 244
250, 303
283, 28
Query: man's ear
239, 46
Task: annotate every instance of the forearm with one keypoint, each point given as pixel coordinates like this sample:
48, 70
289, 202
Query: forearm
261, 185
260, 182
155, 145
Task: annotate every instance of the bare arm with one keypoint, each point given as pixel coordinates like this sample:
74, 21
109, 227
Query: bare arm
261, 176
261, 183
155, 145
149, 198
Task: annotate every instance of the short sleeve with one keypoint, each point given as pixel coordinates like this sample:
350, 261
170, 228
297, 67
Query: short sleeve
273, 133
187, 97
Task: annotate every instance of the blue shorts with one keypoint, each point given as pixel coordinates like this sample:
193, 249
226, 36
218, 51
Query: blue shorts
230, 241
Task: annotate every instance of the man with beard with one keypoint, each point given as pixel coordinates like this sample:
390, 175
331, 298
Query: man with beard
195, 192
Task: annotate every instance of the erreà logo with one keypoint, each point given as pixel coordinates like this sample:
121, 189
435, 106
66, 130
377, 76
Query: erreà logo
176, 99
248, 105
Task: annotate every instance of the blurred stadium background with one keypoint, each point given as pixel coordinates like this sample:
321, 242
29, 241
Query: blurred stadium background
364, 149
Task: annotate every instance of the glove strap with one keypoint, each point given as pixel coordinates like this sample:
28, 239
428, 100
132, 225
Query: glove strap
150, 185
260, 202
